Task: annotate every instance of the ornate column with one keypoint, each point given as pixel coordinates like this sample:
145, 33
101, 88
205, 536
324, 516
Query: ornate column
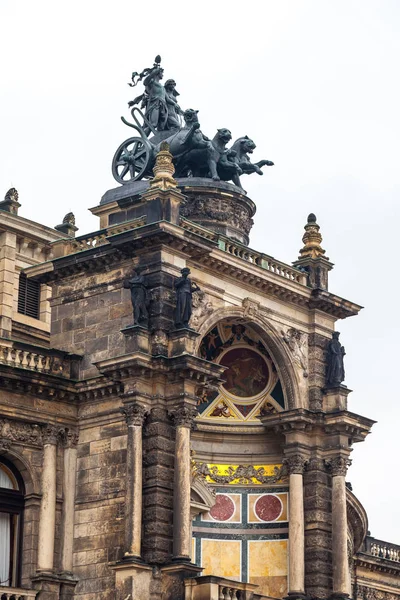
183, 418
69, 486
47, 518
340, 564
135, 415
295, 465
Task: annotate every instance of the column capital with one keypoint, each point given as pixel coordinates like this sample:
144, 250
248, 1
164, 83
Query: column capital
70, 438
50, 433
338, 465
183, 416
295, 464
134, 413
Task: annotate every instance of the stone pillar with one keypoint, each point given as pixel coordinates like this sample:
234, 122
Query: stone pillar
340, 562
135, 415
47, 517
8, 243
183, 418
69, 486
295, 465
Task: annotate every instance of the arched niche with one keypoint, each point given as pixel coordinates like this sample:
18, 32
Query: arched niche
271, 340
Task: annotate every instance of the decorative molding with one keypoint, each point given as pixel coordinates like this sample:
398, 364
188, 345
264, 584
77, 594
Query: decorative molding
338, 465
134, 414
367, 593
183, 416
295, 464
297, 343
245, 474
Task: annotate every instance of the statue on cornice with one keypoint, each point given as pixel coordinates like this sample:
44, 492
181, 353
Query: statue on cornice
334, 362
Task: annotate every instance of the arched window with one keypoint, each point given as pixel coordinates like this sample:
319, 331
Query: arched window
11, 513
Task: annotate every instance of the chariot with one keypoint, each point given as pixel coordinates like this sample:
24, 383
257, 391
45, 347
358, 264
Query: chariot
134, 158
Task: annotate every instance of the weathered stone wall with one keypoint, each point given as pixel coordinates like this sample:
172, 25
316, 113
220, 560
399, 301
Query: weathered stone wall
87, 316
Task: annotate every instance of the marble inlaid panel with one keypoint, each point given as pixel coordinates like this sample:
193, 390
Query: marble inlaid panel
227, 508
267, 566
267, 508
222, 558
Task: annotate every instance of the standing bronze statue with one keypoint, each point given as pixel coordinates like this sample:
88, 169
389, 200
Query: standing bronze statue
334, 361
184, 289
138, 286
173, 108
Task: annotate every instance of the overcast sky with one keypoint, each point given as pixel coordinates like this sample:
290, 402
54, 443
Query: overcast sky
315, 83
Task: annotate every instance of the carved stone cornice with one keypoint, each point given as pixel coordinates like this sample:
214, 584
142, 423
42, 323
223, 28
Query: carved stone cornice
338, 465
183, 416
134, 414
295, 464
20, 433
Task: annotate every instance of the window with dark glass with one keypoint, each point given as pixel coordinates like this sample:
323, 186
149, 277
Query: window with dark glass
11, 513
28, 296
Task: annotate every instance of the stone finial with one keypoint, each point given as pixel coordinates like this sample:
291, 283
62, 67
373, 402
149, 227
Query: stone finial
68, 225
10, 203
312, 239
163, 170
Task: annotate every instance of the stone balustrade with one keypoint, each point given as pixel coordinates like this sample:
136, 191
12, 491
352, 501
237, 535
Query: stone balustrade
8, 593
382, 549
25, 357
251, 256
97, 238
86, 242
209, 587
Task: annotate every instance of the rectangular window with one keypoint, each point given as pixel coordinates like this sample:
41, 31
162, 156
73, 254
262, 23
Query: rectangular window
28, 296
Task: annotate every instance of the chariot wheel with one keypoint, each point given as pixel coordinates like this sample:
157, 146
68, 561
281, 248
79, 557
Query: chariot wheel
131, 160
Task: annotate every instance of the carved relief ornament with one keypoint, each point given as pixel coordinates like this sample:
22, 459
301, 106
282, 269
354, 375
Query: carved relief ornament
367, 593
51, 433
245, 474
202, 307
251, 307
20, 433
70, 438
297, 344
134, 414
338, 465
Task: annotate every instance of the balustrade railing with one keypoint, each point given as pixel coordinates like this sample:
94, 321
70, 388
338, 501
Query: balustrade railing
35, 361
97, 238
251, 256
382, 549
8, 593
218, 588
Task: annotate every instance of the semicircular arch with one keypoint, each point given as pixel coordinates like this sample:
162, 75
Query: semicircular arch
31, 481
276, 347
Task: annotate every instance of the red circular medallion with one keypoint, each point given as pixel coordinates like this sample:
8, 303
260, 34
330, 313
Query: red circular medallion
268, 507
223, 509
